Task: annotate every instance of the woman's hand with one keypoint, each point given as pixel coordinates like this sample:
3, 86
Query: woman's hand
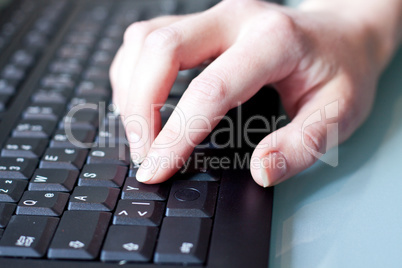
322, 63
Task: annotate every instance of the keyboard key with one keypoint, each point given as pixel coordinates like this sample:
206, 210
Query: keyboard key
130, 212
167, 109
44, 26
69, 51
43, 111
82, 117
4, 100
192, 199
106, 175
72, 67
67, 158
134, 189
78, 138
61, 180
17, 167
76, 38
93, 198
24, 147
118, 155
183, 240
8, 86
204, 175
79, 235
23, 57
129, 243
11, 190
35, 39
111, 131
34, 128
58, 81
114, 31
108, 44
6, 211
28, 236
185, 76
133, 171
178, 89
90, 99
52, 95
87, 88
12, 72
111, 136
98, 74
42, 203
102, 58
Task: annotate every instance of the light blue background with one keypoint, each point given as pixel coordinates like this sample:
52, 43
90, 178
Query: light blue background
351, 215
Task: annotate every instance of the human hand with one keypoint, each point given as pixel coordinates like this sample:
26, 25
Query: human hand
313, 58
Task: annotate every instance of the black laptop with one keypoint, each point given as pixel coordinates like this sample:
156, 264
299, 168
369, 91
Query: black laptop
66, 203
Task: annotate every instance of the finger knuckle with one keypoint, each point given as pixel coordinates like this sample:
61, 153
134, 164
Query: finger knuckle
305, 144
167, 38
170, 135
211, 88
282, 20
137, 31
238, 4
314, 139
279, 22
314, 142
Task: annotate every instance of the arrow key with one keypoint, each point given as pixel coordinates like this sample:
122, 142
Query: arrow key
130, 212
130, 243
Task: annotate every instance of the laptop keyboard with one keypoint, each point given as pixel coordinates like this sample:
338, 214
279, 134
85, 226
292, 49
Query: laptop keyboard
73, 195
60, 198
30, 47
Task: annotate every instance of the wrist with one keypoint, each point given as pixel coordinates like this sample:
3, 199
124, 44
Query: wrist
373, 23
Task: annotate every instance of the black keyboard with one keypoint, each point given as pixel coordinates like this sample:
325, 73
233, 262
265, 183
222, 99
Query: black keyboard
71, 197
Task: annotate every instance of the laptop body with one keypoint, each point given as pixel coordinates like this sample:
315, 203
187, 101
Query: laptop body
34, 46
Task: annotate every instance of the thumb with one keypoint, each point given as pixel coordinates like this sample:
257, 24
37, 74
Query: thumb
328, 118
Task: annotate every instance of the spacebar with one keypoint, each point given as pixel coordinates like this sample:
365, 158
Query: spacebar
79, 235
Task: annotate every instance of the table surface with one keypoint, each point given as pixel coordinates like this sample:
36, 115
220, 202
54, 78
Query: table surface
350, 215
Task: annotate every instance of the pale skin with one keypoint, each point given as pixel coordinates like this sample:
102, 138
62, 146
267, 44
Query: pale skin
320, 53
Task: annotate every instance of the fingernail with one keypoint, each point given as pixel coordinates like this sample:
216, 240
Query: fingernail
134, 137
148, 168
273, 168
